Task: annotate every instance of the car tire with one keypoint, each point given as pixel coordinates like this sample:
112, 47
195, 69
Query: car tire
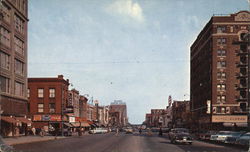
190, 143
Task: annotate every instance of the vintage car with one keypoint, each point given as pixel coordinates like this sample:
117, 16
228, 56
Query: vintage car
180, 135
98, 131
243, 140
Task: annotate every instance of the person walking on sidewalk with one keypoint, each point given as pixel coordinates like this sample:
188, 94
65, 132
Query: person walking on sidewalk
33, 129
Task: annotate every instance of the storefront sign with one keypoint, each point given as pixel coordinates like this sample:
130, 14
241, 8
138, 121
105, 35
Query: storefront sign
55, 118
71, 119
45, 117
37, 117
232, 119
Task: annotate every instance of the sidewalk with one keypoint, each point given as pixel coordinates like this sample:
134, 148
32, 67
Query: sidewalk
28, 139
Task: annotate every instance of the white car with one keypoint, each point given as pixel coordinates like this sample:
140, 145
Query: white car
98, 131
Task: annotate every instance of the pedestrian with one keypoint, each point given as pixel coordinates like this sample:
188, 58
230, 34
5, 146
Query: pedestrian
33, 129
160, 132
117, 131
140, 130
42, 132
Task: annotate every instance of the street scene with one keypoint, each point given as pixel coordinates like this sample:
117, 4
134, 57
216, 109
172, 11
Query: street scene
124, 76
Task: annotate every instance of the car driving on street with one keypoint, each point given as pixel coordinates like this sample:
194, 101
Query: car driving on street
180, 135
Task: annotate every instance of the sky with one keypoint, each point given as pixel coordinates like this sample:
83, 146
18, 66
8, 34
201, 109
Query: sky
136, 51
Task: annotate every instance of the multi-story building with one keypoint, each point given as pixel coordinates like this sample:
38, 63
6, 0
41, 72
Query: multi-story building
119, 107
83, 107
218, 90
73, 102
168, 117
181, 114
13, 66
47, 101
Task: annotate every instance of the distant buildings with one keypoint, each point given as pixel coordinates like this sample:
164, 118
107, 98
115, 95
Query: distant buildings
13, 67
118, 113
219, 72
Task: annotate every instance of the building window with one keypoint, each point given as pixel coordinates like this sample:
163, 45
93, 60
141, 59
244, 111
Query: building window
6, 12
221, 29
52, 108
221, 75
221, 41
19, 46
221, 64
19, 24
221, 87
5, 61
40, 93
40, 107
4, 36
5, 84
19, 67
19, 89
28, 93
221, 53
52, 93
221, 99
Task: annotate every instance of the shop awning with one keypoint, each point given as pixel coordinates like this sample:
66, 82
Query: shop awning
84, 124
68, 124
23, 120
75, 124
8, 119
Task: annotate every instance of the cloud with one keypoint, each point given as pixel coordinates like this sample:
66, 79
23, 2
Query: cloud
127, 8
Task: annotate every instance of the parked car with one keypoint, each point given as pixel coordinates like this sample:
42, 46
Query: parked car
129, 130
98, 131
180, 135
206, 135
221, 136
232, 139
243, 140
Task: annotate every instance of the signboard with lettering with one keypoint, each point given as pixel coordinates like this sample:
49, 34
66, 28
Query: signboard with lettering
243, 16
71, 119
231, 118
55, 118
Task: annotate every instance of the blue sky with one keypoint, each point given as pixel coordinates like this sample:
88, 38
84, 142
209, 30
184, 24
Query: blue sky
131, 50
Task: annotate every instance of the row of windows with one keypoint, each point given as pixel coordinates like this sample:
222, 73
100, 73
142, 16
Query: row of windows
5, 36
221, 64
40, 93
6, 12
5, 61
5, 86
221, 75
221, 41
19, 67
221, 99
19, 24
221, 109
52, 107
5, 64
221, 87
19, 46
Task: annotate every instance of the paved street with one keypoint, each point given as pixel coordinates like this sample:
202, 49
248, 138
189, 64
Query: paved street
120, 143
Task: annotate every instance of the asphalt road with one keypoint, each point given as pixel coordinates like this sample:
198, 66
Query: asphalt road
121, 143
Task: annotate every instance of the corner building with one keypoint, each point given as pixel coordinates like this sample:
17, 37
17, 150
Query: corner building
13, 67
218, 96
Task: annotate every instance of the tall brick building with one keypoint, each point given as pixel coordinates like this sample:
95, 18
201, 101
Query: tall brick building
13, 70
218, 94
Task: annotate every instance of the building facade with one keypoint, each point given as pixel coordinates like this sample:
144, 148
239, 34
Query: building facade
218, 96
47, 101
13, 66
118, 112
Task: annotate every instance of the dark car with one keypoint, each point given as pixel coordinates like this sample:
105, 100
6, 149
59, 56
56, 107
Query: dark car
243, 140
232, 139
180, 135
